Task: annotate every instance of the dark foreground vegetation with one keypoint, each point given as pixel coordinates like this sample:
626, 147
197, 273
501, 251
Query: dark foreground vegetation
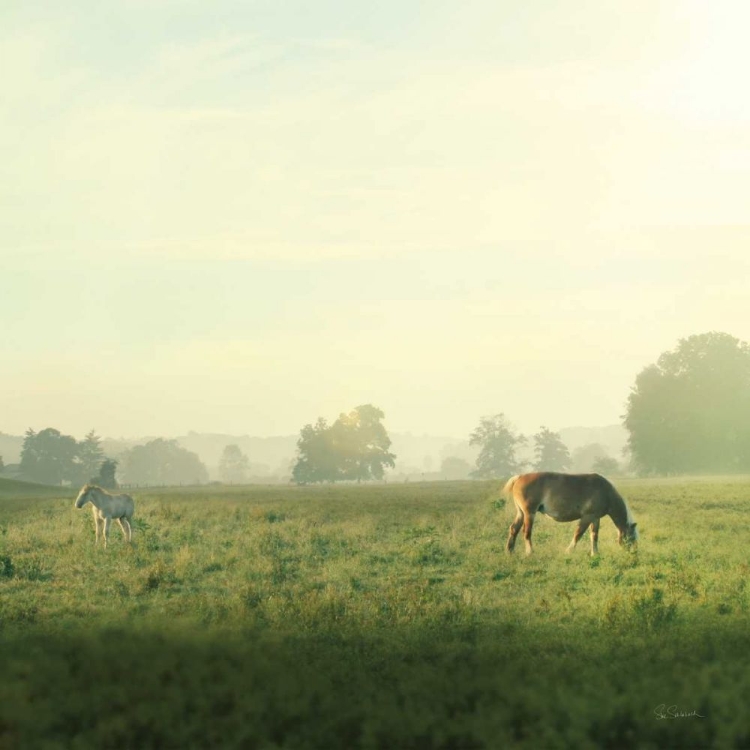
382, 617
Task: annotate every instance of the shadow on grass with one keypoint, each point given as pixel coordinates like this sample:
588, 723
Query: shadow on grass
418, 687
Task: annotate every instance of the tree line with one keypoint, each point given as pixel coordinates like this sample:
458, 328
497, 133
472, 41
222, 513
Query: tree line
687, 413
49, 457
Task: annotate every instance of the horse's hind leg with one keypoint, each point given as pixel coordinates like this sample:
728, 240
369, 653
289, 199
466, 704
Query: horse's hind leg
528, 525
107, 522
594, 531
515, 527
127, 532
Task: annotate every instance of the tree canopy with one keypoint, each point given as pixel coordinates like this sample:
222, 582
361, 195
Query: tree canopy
497, 444
49, 457
354, 447
690, 411
106, 476
551, 454
162, 462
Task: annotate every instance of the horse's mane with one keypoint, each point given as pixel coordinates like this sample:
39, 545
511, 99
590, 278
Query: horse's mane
90, 486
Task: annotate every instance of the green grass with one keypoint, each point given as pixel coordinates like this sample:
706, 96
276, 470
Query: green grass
376, 616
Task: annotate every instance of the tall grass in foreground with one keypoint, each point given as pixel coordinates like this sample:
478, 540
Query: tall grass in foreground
375, 616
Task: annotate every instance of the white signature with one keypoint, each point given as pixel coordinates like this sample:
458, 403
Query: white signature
664, 711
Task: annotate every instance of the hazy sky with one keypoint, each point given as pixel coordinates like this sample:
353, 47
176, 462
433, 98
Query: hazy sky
239, 216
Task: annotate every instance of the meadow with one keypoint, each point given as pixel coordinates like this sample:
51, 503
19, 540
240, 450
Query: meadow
373, 616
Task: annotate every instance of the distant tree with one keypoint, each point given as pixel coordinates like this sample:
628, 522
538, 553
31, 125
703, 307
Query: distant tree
362, 444
453, 467
316, 458
585, 456
498, 444
606, 466
354, 447
162, 462
690, 412
550, 452
49, 457
90, 457
106, 476
2, 465
233, 465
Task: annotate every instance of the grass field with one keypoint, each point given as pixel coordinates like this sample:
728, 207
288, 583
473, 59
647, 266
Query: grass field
377, 617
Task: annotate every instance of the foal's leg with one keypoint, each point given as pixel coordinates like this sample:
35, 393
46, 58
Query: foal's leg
583, 524
594, 530
98, 521
127, 532
515, 527
107, 522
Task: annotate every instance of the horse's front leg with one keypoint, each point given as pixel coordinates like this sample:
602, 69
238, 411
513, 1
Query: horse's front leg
528, 525
107, 522
594, 530
583, 524
98, 522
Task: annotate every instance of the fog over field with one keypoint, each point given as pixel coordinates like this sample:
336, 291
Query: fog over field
235, 218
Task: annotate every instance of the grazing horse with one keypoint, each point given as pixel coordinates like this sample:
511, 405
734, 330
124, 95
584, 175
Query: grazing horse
568, 497
107, 507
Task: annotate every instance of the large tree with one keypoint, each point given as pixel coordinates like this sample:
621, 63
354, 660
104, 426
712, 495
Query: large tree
551, 454
162, 462
49, 457
354, 447
690, 412
498, 443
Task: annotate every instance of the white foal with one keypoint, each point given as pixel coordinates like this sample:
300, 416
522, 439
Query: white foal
106, 508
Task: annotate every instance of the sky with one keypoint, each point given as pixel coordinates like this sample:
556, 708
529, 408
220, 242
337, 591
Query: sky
236, 217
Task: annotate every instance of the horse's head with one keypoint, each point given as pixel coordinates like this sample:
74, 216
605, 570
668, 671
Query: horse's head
82, 498
629, 535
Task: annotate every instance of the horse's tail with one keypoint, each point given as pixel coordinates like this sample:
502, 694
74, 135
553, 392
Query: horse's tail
508, 489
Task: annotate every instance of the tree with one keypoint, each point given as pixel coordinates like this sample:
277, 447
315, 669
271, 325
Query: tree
162, 462
49, 457
550, 451
362, 444
233, 465
606, 466
106, 476
2, 465
690, 412
90, 457
498, 444
354, 447
316, 459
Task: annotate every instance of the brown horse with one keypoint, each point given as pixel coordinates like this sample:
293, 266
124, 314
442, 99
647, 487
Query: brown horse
568, 497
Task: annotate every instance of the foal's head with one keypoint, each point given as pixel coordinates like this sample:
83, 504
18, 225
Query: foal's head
83, 498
